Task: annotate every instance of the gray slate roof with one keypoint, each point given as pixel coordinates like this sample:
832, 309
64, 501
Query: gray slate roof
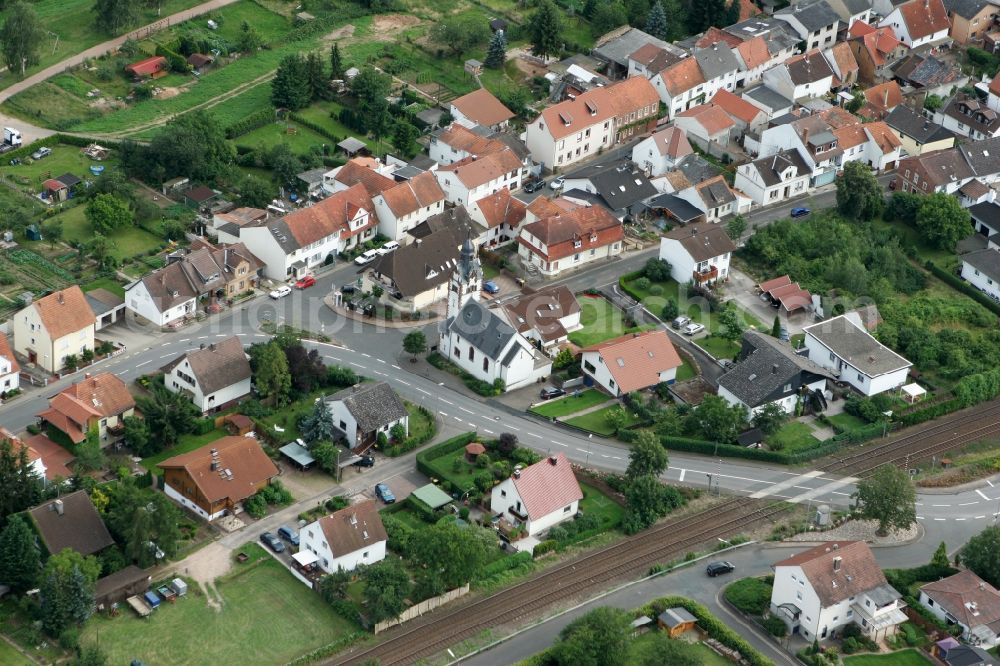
421, 265
696, 168
619, 184
482, 329
216, 366
767, 366
618, 50
809, 69
79, 526
674, 617
679, 208
769, 97
372, 404
986, 261
966, 8
987, 213
814, 16
983, 156
770, 168
906, 121
845, 339
715, 61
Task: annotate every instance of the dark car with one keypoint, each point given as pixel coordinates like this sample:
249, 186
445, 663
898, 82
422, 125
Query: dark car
533, 186
289, 535
383, 493
366, 461
273, 542
550, 392
348, 289
717, 568
800, 212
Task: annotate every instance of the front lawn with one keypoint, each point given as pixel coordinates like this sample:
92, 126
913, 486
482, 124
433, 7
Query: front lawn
596, 503
601, 321
597, 421
846, 422
570, 404
792, 437
186, 444
686, 371
266, 616
901, 658
718, 346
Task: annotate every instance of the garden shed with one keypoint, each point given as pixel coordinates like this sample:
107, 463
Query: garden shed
473, 451
676, 621
351, 146
55, 190
432, 496
119, 586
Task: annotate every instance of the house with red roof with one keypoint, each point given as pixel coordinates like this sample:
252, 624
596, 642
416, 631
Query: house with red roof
708, 126
919, 22
149, 68
745, 115
100, 404
661, 151
540, 496
480, 107
500, 214
632, 362
876, 50
570, 239
406, 204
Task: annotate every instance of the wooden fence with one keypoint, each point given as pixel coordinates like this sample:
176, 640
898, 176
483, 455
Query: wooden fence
423, 607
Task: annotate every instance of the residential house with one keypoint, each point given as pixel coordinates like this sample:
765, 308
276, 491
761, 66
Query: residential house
769, 372
405, 205
769, 100
152, 67
969, 117
660, 152
10, 369
715, 198
456, 142
970, 602
928, 75
822, 590
367, 171
993, 94
952, 653
843, 346
971, 19
539, 496
71, 521
501, 215
570, 239
746, 116
213, 377
98, 404
802, 77
54, 327
596, 120
844, 65
815, 23
981, 156
46, 459
108, 307
235, 219
917, 133
477, 176
975, 192
619, 186
934, 171
614, 48
695, 79
876, 50
480, 107
545, 317
697, 253
672, 207
649, 59
707, 126
346, 539
880, 100
214, 479
632, 362
919, 22
754, 58
781, 39
851, 11
986, 219
775, 178
364, 411
201, 198
981, 269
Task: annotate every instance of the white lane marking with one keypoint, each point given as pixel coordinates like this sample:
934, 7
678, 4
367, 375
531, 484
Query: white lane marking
537, 436
782, 485
968, 503
471, 424
396, 367
979, 517
581, 450
457, 418
366, 355
510, 427
982, 494
422, 391
380, 361
837, 492
604, 456
921, 518
184, 340
488, 432
960, 519
221, 335
467, 411
941, 520
443, 414
382, 374
616, 457
823, 490
447, 402
260, 335
939, 505
357, 365
404, 383
561, 444
989, 482
166, 356
139, 365
683, 472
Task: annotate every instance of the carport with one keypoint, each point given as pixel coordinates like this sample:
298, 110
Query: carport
298, 454
432, 496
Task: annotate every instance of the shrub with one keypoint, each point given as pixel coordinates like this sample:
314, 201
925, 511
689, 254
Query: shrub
776, 627
643, 283
749, 595
656, 290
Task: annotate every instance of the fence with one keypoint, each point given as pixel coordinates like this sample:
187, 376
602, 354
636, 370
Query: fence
423, 607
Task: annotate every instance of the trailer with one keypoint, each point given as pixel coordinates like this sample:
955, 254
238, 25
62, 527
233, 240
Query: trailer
11, 139
152, 599
139, 606
180, 587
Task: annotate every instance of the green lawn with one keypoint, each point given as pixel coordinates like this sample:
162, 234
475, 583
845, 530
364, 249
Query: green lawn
901, 658
266, 617
8, 655
269, 136
187, 443
570, 404
718, 347
601, 321
793, 437
596, 503
129, 241
110, 284
64, 159
846, 421
320, 114
640, 646
686, 371
288, 417
461, 474
597, 422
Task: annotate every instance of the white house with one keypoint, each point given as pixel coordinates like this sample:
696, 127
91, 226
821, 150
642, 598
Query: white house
660, 152
10, 369
919, 22
477, 176
708, 126
632, 362
346, 539
570, 239
162, 297
54, 327
404, 206
776, 178
546, 317
970, 602
480, 107
843, 346
214, 377
981, 269
803, 77
500, 216
364, 411
820, 591
540, 496
814, 22
754, 58
696, 79
697, 253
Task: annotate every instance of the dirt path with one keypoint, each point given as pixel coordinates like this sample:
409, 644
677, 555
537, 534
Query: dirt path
204, 566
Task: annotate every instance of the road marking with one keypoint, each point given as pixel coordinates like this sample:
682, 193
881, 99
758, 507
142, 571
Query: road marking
443, 414
366, 355
166, 356
447, 402
989, 482
787, 483
510, 427
467, 411
921, 518
380, 361
538, 436
968, 503
683, 472
823, 490
960, 519
184, 340
561, 443
139, 365
471, 424
380, 373
457, 418
940, 505
404, 383
221, 335
422, 391
979, 517
582, 450
604, 456
396, 366
837, 492
941, 520
357, 365
488, 432
982, 494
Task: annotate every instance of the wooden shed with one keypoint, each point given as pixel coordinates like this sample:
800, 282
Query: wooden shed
676, 621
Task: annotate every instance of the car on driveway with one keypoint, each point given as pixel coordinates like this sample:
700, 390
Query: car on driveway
350, 288
490, 287
800, 212
383, 493
558, 183
366, 257
679, 323
272, 542
366, 461
280, 292
550, 392
289, 535
305, 282
718, 568
726, 364
692, 329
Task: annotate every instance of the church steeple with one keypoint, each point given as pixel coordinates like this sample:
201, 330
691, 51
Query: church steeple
466, 280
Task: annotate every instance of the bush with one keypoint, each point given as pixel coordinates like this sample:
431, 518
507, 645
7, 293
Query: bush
751, 596
69, 638
249, 123
442, 449
776, 627
643, 283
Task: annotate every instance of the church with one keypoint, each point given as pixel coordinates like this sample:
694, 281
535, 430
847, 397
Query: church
479, 341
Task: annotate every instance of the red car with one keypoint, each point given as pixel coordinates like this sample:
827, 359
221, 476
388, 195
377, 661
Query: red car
305, 282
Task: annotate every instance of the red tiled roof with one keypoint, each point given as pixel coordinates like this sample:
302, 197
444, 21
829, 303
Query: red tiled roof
844, 58
635, 361
147, 67
714, 35
543, 207
995, 85
592, 227
474, 170
483, 108
501, 208
413, 194
600, 104
356, 171
774, 283
6, 352
713, 118
883, 135
251, 468
884, 97
682, 77
857, 571
968, 598
64, 312
55, 458
754, 52
924, 17
859, 29
547, 486
353, 528
330, 215
735, 106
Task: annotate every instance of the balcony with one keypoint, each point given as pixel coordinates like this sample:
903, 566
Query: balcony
520, 515
708, 275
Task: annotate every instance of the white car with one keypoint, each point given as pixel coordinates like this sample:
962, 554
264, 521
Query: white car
388, 247
692, 329
558, 183
366, 257
280, 292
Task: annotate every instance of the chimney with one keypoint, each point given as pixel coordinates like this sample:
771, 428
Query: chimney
211, 347
836, 546
517, 474
86, 376
836, 563
215, 466
60, 298
553, 460
57, 506
774, 369
805, 135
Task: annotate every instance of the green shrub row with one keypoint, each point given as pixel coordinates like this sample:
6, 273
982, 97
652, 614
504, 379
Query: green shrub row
411, 443
247, 124
328, 649
442, 449
930, 413
624, 286
484, 389
731, 451
319, 129
961, 285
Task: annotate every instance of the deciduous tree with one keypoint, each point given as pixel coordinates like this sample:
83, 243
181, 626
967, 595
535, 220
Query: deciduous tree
769, 418
599, 638
450, 553
138, 517
647, 457
659, 649
169, 415
114, 16
387, 585
942, 220
714, 419
20, 563
859, 196
21, 37
731, 324
256, 192
461, 32
270, 372
544, 30
66, 594
607, 17
415, 343
982, 555
736, 227
657, 270
888, 496
249, 39
106, 213
647, 500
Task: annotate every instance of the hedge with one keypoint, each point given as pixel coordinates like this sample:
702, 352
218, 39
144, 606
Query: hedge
731, 451
319, 129
964, 287
628, 277
442, 449
55, 140
247, 124
411, 443
710, 624
931, 412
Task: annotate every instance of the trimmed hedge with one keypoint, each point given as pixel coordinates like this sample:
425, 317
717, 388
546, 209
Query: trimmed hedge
628, 277
731, 451
411, 443
961, 285
442, 449
319, 129
247, 124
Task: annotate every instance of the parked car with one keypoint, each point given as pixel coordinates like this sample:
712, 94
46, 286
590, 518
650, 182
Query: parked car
349, 289
558, 183
717, 568
383, 493
41, 152
783, 334
366, 461
305, 282
366, 257
800, 212
272, 542
280, 292
692, 329
490, 287
388, 247
289, 535
679, 323
533, 186
550, 392
726, 364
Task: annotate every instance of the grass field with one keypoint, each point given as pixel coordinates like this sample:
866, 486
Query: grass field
461, 474
793, 437
129, 241
718, 346
9, 655
686, 371
570, 404
187, 443
641, 646
596, 503
269, 136
267, 617
601, 321
901, 658
64, 159
105, 283
846, 421
597, 421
